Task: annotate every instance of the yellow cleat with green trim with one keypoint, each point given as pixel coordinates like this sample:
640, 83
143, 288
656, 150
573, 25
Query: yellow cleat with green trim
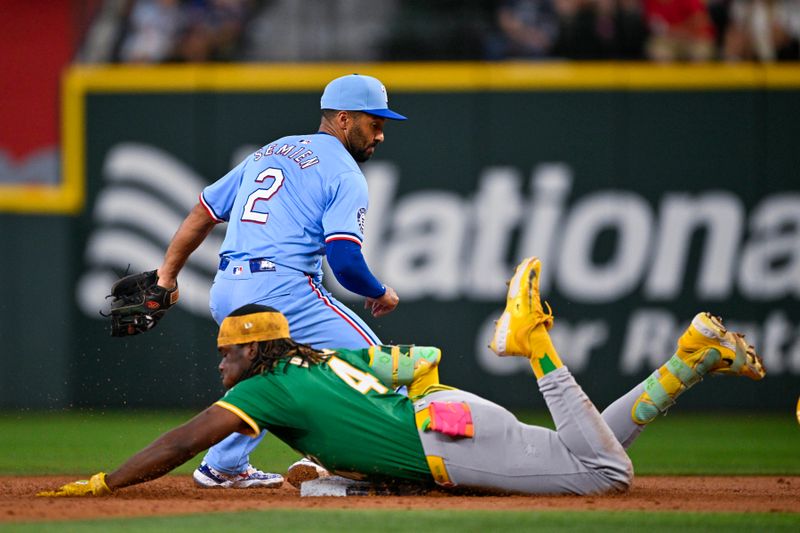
523, 312
708, 347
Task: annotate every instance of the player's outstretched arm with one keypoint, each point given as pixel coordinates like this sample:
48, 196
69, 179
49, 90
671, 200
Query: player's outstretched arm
166, 453
191, 234
176, 447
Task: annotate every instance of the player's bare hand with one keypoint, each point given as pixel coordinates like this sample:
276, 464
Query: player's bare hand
383, 305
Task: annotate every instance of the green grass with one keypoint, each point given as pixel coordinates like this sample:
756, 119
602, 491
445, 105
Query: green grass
80, 443
431, 521
719, 445
73, 442
714, 444
686, 443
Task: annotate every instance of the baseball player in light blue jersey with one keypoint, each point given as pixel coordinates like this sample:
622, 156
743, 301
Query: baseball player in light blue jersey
287, 205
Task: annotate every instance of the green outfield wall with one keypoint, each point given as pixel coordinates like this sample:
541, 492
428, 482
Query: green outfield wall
650, 192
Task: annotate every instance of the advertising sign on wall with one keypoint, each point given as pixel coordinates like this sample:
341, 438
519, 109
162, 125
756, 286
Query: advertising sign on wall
647, 199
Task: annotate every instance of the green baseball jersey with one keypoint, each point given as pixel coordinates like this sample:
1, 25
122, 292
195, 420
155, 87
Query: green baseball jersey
337, 412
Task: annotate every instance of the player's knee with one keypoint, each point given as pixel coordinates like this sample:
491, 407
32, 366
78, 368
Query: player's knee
619, 473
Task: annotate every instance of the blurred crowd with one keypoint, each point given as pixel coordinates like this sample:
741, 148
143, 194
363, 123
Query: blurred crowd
657, 30
158, 31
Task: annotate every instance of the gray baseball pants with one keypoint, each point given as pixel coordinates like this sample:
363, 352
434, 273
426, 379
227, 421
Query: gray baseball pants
584, 455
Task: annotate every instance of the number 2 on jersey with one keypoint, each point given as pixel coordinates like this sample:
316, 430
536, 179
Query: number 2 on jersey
250, 214
360, 381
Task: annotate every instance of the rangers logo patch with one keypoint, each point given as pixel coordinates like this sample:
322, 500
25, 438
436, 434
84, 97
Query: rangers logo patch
362, 218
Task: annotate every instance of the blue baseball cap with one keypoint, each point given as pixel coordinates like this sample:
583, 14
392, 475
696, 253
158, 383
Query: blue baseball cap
355, 92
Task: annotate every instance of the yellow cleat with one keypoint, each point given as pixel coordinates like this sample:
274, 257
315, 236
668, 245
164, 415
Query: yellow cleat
523, 313
708, 347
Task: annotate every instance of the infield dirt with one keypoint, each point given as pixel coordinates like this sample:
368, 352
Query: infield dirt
177, 495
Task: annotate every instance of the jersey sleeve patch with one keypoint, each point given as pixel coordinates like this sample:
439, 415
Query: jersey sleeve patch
210, 210
241, 414
343, 237
361, 218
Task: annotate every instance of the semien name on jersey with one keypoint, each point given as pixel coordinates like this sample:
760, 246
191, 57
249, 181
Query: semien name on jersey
299, 155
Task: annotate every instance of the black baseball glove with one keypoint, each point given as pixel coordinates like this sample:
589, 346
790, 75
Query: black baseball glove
139, 303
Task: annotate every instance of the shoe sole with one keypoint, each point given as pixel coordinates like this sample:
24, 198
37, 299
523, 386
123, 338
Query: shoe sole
247, 484
254, 485
516, 280
300, 473
501, 334
258, 484
746, 362
498, 344
212, 485
712, 329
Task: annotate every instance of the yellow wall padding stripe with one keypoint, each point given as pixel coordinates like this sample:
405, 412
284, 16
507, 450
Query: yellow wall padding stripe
436, 76
80, 80
241, 414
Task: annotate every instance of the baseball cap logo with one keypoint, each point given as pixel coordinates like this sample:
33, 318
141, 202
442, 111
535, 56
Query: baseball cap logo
385, 96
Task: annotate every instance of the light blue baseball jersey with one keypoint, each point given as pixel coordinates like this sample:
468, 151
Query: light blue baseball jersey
286, 200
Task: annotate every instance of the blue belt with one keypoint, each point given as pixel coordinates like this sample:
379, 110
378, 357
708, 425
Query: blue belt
259, 264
